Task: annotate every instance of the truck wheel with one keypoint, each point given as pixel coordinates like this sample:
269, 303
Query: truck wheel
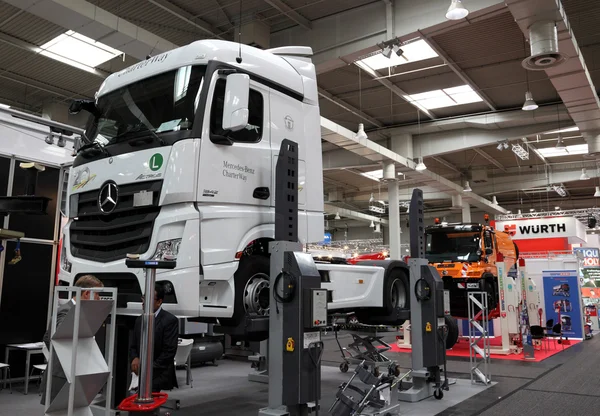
251, 290
452, 337
395, 291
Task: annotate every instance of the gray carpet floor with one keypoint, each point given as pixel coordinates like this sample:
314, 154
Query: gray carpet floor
566, 383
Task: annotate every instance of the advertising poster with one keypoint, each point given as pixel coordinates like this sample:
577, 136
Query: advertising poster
561, 294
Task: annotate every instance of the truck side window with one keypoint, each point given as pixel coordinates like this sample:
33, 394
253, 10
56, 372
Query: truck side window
253, 131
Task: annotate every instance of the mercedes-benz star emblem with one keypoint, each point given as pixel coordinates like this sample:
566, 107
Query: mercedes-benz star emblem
108, 197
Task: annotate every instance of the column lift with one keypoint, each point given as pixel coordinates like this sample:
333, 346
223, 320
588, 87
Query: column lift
300, 311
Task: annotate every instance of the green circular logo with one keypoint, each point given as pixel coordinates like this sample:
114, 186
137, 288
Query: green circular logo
155, 162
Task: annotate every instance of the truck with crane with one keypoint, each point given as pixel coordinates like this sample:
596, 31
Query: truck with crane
179, 161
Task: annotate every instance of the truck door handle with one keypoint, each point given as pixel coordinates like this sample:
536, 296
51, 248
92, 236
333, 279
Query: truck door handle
261, 193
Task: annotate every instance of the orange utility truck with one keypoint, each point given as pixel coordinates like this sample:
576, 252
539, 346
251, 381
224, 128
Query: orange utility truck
465, 255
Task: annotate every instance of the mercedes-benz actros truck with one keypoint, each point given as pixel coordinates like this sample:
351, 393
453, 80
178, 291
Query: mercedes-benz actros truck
179, 160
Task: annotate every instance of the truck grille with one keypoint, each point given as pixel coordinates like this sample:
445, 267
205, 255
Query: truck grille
128, 229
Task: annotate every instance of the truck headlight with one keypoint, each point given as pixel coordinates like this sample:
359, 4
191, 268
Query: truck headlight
169, 247
65, 264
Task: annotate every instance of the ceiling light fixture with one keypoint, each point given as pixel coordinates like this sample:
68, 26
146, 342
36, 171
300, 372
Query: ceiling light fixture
557, 208
360, 134
387, 52
372, 225
584, 176
467, 187
499, 147
560, 144
531, 209
456, 11
506, 145
372, 198
597, 193
420, 166
494, 200
529, 104
520, 151
397, 50
337, 216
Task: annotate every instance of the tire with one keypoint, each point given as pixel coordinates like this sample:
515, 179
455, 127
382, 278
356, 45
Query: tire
395, 291
452, 337
252, 267
344, 367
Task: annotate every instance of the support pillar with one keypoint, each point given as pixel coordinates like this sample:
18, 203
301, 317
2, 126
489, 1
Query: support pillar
389, 175
466, 212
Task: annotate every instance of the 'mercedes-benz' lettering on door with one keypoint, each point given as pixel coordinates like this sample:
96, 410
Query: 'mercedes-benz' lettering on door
236, 171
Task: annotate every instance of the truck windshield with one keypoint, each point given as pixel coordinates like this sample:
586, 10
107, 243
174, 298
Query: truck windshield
162, 103
447, 245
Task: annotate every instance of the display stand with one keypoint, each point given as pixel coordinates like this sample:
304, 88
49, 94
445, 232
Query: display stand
478, 356
76, 351
509, 300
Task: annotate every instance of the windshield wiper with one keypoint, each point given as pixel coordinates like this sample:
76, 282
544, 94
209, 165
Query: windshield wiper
94, 145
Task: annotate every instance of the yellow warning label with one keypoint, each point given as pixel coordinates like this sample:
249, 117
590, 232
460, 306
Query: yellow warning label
428, 327
289, 346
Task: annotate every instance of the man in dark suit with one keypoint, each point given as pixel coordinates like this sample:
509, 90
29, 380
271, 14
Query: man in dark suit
59, 378
166, 331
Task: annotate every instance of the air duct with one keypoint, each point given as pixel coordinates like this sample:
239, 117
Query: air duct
543, 39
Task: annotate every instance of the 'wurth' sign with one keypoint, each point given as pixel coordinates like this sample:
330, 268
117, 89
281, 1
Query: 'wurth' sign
537, 228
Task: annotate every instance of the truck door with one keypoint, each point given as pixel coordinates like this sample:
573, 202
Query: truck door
239, 173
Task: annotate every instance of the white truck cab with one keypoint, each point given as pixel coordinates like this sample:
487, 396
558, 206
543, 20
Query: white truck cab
181, 159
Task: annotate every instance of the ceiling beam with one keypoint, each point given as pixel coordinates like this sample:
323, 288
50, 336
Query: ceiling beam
537, 153
40, 85
181, 14
358, 113
290, 13
339, 183
394, 88
332, 209
490, 159
457, 70
447, 164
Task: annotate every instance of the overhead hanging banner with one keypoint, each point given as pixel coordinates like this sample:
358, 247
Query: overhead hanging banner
563, 302
538, 228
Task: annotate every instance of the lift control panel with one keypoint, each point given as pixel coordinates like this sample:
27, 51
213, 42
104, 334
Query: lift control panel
315, 308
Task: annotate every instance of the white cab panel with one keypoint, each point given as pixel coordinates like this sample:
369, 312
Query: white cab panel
354, 286
181, 173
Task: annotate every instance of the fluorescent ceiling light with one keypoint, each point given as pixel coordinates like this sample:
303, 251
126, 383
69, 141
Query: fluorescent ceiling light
576, 149
79, 51
375, 175
467, 187
412, 52
420, 166
447, 97
567, 130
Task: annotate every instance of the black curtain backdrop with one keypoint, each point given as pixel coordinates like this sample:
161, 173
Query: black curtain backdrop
24, 304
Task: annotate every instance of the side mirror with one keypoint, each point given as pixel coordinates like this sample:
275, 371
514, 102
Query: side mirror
489, 251
76, 106
235, 107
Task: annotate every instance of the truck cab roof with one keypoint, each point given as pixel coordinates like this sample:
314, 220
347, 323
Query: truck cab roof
283, 66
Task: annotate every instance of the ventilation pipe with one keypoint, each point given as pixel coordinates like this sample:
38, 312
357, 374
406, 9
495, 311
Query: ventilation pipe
543, 38
545, 22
